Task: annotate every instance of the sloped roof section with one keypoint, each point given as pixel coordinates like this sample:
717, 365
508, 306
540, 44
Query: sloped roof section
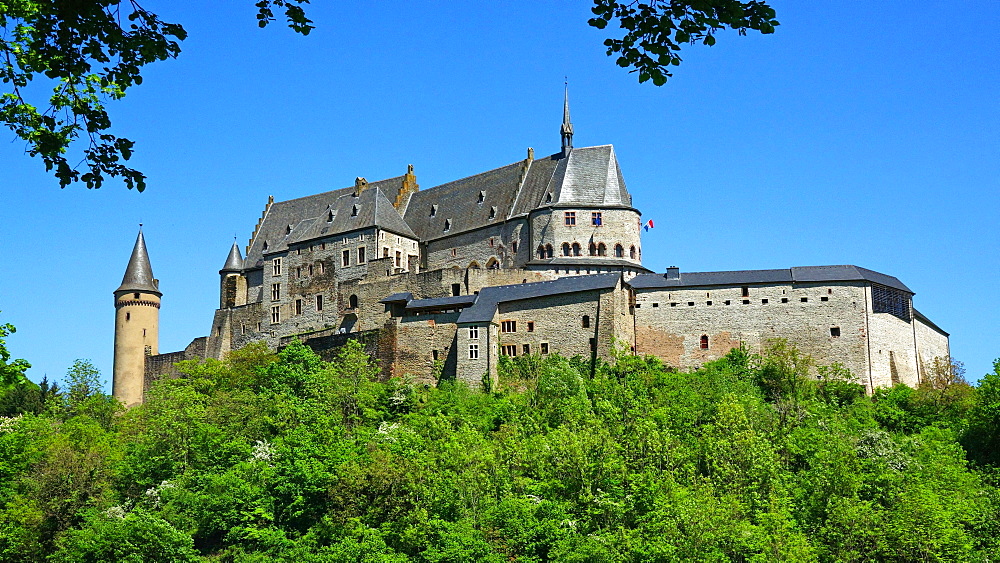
592, 178
489, 297
139, 273
234, 262
466, 204
800, 274
305, 218
536, 184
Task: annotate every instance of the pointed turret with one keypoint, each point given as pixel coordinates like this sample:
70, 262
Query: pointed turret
566, 130
234, 263
139, 274
137, 319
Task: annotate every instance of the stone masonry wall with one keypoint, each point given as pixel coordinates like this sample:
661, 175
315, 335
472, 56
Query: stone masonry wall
473, 247
669, 323
931, 344
618, 226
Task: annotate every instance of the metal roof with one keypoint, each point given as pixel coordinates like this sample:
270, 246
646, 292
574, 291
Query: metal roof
799, 274
139, 273
234, 262
489, 297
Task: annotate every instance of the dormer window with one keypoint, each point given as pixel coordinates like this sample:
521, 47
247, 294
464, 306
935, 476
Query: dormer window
548, 197
447, 225
493, 212
354, 211
434, 210
482, 197
288, 230
265, 245
329, 217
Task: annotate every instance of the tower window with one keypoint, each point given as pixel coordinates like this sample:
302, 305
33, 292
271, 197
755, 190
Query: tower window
602, 250
298, 306
570, 218
565, 249
704, 342
595, 219
631, 252
619, 251
548, 251
593, 249
576, 249
136, 295
128, 316
319, 302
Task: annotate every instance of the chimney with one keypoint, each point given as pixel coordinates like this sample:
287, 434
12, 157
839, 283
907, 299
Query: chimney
673, 273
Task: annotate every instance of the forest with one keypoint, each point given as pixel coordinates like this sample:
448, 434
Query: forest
285, 457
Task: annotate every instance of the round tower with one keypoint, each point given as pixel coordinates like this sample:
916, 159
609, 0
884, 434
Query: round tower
233, 286
137, 320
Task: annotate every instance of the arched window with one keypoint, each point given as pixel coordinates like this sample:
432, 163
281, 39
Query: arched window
593, 249
602, 250
619, 251
352, 302
631, 252
565, 249
576, 249
541, 251
704, 342
492, 264
548, 251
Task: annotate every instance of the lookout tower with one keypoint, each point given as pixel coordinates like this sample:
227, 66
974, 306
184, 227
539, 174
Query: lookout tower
137, 320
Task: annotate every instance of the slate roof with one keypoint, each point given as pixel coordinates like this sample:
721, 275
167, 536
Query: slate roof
306, 218
441, 302
458, 202
586, 262
589, 176
402, 297
928, 322
234, 262
800, 274
139, 273
489, 297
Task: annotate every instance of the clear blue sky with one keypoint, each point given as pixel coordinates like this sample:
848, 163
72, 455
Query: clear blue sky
862, 133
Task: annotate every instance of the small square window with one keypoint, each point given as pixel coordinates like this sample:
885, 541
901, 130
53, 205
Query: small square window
708, 303
746, 301
763, 301
656, 305
673, 304
784, 300
804, 299
727, 302
835, 331
531, 326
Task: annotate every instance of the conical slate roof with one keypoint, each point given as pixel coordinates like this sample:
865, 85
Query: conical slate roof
139, 274
234, 263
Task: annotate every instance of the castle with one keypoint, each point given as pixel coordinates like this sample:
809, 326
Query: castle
540, 256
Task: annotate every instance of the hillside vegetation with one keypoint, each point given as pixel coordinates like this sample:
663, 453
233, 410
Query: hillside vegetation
284, 457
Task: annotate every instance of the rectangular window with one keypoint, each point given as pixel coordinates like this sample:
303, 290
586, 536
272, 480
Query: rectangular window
456, 289
585, 321
319, 302
835, 331
298, 306
298, 271
275, 314
385, 252
454, 252
276, 266
275, 291
346, 258
322, 267
508, 326
399, 259
434, 355
474, 332
473, 351
509, 350
531, 326
545, 347
595, 219
526, 349
310, 269
570, 218
824, 298
361, 255
745, 290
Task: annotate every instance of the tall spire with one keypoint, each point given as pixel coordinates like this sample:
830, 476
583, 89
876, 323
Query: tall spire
234, 263
567, 126
139, 274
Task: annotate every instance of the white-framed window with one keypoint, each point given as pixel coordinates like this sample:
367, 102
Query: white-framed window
474, 333
275, 291
473, 351
276, 266
275, 314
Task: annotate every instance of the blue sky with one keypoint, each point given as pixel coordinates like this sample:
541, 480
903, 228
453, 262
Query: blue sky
862, 133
